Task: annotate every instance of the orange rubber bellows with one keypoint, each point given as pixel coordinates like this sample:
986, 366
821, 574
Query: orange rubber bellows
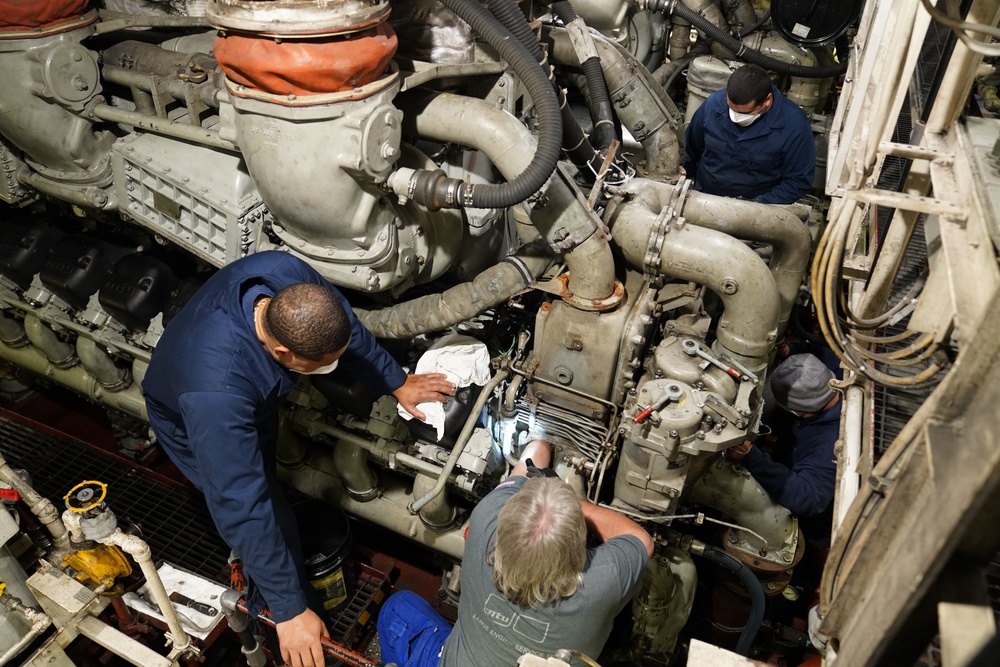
306, 67
34, 14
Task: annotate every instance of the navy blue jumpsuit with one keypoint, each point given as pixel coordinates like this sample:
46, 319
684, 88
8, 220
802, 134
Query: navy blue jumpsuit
212, 392
772, 161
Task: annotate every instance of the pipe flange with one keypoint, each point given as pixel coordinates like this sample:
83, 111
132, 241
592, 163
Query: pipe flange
774, 561
297, 18
560, 287
670, 214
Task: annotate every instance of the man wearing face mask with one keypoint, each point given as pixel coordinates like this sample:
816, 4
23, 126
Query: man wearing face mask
219, 372
750, 142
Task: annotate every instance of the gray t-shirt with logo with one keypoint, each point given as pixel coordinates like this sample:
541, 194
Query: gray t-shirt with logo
492, 632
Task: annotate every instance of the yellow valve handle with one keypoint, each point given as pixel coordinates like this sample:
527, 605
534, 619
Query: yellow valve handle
85, 496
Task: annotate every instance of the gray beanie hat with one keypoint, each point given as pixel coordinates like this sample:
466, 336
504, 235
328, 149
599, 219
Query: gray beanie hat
802, 383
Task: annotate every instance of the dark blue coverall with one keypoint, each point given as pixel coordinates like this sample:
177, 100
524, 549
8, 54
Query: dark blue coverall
771, 162
212, 392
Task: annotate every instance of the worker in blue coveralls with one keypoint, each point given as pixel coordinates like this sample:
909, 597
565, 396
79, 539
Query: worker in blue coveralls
750, 142
218, 374
801, 386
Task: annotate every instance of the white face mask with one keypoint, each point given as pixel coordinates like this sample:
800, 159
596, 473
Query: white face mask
742, 119
322, 370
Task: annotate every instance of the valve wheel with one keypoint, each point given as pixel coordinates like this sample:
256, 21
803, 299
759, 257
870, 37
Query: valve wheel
85, 496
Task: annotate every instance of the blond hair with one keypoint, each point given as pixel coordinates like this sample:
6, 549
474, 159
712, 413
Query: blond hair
541, 544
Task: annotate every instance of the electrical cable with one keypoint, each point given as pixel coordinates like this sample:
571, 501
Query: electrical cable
962, 28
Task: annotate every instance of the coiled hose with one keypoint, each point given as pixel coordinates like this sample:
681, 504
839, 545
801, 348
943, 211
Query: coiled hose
742, 51
752, 584
574, 142
434, 190
599, 99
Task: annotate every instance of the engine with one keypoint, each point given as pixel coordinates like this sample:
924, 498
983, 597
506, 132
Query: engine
526, 192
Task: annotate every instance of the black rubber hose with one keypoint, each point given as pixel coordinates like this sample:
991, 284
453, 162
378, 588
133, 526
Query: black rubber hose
741, 50
599, 99
574, 140
763, 19
453, 194
752, 584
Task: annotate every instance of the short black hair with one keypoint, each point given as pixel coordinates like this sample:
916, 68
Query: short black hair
748, 84
309, 320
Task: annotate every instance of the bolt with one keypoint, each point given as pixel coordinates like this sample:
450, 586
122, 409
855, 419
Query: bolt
729, 286
80, 83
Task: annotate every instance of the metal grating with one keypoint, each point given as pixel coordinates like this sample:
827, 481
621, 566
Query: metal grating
894, 407
177, 527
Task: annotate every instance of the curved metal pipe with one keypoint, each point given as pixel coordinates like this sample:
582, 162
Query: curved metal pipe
730, 489
318, 478
99, 364
40, 506
59, 353
509, 145
437, 514
759, 222
352, 466
726, 266
461, 440
12, 332
140, 551
39, 622
78, 379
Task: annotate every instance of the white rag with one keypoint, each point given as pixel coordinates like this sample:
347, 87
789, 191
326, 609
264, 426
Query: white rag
463, 359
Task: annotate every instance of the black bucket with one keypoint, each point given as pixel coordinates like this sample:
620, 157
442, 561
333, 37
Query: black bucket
326, 546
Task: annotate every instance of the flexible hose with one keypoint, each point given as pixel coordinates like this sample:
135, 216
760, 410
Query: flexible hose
574, 141
752, 584
742, 51
455, 194
599, 99
435, 312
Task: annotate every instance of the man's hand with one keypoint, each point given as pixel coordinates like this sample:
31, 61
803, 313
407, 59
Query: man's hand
421, 388
739, 451
299, 639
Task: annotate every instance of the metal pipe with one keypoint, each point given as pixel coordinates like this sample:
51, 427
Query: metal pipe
12, 332
39, 622
352, 466
318, 478
726, 266
850, 480
462, 440
119, 345
193, 133
141, 553
759, 222
78, 379
99, 364
509, 145
439, 513
87, 196
40, 506
239, 623
59, 353
732, 490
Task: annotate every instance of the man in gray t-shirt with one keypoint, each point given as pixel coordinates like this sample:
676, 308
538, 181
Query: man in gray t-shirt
547, 591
